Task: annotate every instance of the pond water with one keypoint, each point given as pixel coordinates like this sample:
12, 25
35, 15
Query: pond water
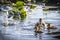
24, 30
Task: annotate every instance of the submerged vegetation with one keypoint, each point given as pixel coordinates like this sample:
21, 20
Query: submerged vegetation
23, 14
20, 8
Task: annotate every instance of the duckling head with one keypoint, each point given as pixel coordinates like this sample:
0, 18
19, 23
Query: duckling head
48, 24
40, 19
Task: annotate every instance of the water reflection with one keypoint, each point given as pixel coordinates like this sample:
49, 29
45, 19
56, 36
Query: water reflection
39, 35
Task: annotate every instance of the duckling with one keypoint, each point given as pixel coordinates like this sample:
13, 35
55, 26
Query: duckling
38, 29
39, 26
41, 23
49, 26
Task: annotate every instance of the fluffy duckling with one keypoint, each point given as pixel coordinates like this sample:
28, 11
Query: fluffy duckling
49, 26
38, 29
41, 23
39, 26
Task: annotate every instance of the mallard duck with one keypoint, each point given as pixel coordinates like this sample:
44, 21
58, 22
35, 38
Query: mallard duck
49, 26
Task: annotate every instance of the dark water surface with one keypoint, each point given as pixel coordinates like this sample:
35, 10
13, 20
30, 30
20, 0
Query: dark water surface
25, 31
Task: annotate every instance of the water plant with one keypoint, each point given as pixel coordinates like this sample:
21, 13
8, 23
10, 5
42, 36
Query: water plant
23, 14
20, 7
